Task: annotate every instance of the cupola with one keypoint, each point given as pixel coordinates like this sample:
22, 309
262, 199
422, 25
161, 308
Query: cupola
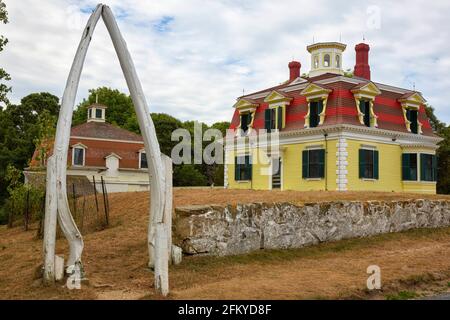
96, 113
326, 57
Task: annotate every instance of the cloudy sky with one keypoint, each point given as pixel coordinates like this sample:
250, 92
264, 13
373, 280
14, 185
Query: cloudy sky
195, 57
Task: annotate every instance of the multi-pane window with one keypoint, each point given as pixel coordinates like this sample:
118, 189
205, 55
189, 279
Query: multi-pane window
242, 168
326, 60
78, 157
428, 167
143, 160
313, 163
368, 164
412, 116
246, 119
409, 167
315, 109
99, 113
273, 119
364, 107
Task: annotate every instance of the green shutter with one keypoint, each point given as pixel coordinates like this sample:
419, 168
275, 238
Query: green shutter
305, 164
248, 168
422, 167
434, 162
406, 165
362, 163
280, 118
319, 108
375, 164
322, 163
236, 169
267, 120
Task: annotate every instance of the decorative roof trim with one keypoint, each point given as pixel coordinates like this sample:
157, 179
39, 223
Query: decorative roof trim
113, 155
245, 103
276, 96
79, 145
320, 45
361, 129
108, 140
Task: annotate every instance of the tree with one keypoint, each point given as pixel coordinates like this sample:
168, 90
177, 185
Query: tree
164, 126
120, 108
20, 126
442, 153
188, 175
4, 76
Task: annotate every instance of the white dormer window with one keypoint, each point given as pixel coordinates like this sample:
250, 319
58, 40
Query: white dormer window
316, 62
338, 61
326, 60
143, 159
79, 155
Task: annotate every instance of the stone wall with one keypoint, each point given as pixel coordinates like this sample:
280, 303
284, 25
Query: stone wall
228, 230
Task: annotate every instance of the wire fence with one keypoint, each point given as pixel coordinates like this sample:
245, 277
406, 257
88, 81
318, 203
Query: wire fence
88, 203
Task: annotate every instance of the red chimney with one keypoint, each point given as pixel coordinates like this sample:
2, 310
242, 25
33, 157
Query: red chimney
294, 70
362, 68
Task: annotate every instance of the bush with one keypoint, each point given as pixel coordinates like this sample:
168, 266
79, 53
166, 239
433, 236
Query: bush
187, 176
3, 215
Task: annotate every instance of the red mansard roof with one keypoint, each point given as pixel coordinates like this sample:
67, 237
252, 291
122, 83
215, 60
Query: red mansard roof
341, 106
103, 130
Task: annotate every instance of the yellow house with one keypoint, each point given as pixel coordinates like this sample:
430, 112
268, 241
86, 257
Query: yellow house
328, 131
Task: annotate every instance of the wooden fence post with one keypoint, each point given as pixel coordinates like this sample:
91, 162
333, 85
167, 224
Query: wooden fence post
27, 210
105, 201
95, 192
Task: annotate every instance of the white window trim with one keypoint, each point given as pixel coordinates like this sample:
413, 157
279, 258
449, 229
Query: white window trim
140, 159
79, 146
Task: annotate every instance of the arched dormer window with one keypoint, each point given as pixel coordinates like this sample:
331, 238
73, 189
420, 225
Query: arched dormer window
246, 108
411, 103
143, 159
338, 61
364, 95
317, 97
326, 60
316, 62
79, 155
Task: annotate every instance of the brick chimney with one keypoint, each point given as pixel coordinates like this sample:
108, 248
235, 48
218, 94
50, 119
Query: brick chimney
362, 68
294, 70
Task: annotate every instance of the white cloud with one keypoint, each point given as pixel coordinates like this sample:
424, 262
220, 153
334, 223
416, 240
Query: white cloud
195, 57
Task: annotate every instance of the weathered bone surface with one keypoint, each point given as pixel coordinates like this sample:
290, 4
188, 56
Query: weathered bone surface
68, 225
56, 185
50, 221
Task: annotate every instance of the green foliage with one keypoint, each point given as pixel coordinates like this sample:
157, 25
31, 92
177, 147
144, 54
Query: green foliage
402, 295
188, 175
442, 153
120, 108
21, 127
348, 73
22, 197
164, 126
4, 76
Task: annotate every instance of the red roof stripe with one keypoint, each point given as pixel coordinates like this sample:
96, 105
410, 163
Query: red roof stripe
295, 117
390, 118
387, 102
350, 111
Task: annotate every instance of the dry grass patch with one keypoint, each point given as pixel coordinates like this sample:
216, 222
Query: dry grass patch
115, 258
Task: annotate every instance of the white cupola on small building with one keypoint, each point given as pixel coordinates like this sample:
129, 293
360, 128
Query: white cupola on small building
96, 113
326, 57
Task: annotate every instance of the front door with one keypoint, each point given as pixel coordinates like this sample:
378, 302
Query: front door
276, 173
